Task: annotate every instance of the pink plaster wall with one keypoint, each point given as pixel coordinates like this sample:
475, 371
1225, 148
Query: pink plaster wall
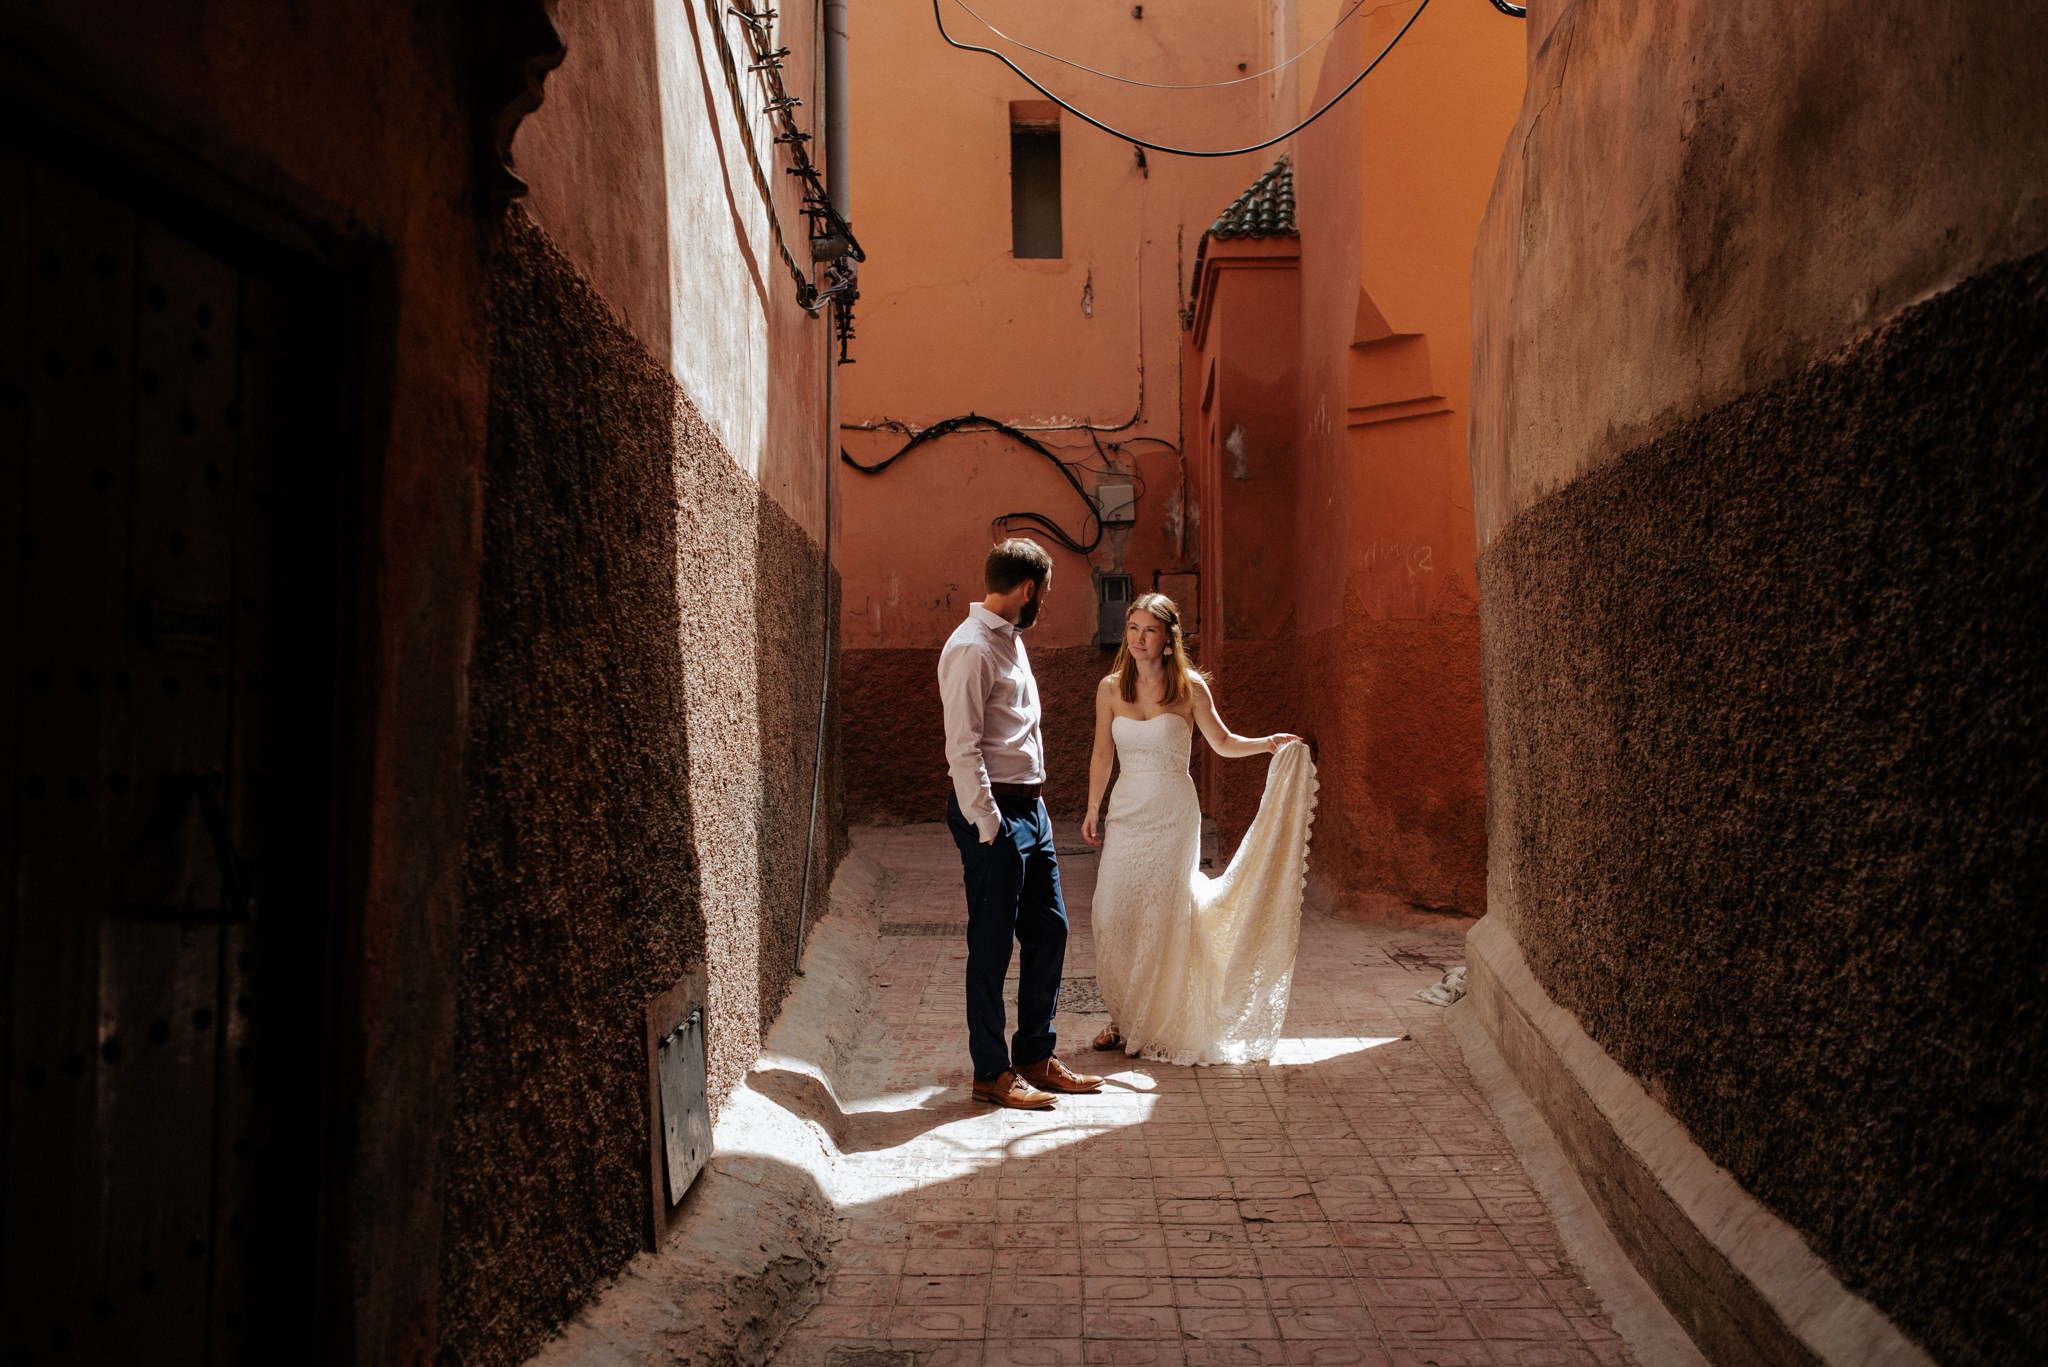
1736, 190
1381, 665
952, 323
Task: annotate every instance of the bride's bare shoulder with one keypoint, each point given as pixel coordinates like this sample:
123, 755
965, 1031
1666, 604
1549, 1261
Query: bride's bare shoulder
1106, 697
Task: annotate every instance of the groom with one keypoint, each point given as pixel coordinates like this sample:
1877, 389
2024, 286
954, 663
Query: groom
997, 760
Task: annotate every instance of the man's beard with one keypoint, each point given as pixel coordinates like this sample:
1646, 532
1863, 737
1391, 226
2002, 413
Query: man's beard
1029, 614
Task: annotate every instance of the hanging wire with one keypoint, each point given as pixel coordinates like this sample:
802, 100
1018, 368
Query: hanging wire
1356, 5
1090, 119
1041, 521
1515, 11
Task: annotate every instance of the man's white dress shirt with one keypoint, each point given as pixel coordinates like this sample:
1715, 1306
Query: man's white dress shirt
992, 714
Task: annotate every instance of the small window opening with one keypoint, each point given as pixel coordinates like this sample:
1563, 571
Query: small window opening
1035, 178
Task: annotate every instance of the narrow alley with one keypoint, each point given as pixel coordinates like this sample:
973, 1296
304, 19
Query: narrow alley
523, 515
1354, 1202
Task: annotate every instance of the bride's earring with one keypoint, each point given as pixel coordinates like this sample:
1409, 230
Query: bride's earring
1169, 650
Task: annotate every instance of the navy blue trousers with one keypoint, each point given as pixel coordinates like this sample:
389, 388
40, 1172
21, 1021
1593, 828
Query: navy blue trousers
1013, 895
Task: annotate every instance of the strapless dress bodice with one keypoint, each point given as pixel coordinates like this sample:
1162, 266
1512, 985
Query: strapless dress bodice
1154, 745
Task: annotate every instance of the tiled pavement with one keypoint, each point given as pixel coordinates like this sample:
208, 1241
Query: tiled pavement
1353, 1202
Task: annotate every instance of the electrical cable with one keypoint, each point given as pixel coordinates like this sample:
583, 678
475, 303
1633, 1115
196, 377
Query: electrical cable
1511, 10
732, 84
1163, 85
1109, 470
1090, 119
975, 422
817, 205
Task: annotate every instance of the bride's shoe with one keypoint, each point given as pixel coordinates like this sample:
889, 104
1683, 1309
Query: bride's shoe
1108, 1040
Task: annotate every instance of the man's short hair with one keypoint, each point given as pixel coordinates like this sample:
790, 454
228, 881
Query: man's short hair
1011, 562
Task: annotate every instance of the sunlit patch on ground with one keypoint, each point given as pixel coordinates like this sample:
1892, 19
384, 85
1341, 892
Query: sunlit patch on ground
1352, 1201
1295, 1052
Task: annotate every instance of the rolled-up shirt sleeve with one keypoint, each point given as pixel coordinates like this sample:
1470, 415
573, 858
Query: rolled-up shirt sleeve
965, 676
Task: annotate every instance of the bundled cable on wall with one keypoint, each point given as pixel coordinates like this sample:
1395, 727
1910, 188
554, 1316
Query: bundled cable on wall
1008, 521
829, 230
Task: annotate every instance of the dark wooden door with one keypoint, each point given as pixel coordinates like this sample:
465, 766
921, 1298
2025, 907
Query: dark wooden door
159, 952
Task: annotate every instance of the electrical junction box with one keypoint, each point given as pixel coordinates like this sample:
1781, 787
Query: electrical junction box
1113, 595
1117, 504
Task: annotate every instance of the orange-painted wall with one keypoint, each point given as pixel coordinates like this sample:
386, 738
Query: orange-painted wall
1379, 662
951, 323
1336, 553
1243, 376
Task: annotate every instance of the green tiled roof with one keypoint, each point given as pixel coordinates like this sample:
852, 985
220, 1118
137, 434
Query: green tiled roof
1265, 210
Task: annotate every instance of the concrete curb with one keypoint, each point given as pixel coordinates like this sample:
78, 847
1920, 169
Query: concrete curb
1741, 1281
1653, 1336
747, 1255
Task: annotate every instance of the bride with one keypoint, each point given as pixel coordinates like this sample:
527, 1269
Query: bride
1193, 969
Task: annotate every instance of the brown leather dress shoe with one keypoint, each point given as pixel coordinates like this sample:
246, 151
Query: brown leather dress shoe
1055, 1076
1008, 1089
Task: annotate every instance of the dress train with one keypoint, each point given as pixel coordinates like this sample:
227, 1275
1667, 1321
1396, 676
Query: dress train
1197, 969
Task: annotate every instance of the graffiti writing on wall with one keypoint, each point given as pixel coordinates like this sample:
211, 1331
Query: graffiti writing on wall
1416, 560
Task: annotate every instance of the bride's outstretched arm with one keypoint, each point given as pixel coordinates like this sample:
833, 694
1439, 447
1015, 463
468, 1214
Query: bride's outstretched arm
1100, 759
1221, 738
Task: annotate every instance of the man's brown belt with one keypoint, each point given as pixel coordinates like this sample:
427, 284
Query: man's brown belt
1027, 791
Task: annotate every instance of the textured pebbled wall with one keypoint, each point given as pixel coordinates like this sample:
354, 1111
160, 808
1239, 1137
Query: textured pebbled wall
1767, 795
642, 706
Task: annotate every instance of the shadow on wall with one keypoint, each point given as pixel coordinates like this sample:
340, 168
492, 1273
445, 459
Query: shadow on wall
1404, 786
1390, 704
793, 600
643, 714
1774, 825
581, 899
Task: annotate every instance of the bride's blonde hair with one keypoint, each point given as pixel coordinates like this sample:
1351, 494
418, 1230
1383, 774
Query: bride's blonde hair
1179, 669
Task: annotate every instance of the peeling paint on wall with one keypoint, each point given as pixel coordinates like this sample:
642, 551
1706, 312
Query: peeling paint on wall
1240, 456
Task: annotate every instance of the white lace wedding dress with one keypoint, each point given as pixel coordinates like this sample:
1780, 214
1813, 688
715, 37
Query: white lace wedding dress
1197, 969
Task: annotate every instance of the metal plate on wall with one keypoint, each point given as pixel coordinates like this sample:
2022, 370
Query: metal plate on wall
685, 1105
